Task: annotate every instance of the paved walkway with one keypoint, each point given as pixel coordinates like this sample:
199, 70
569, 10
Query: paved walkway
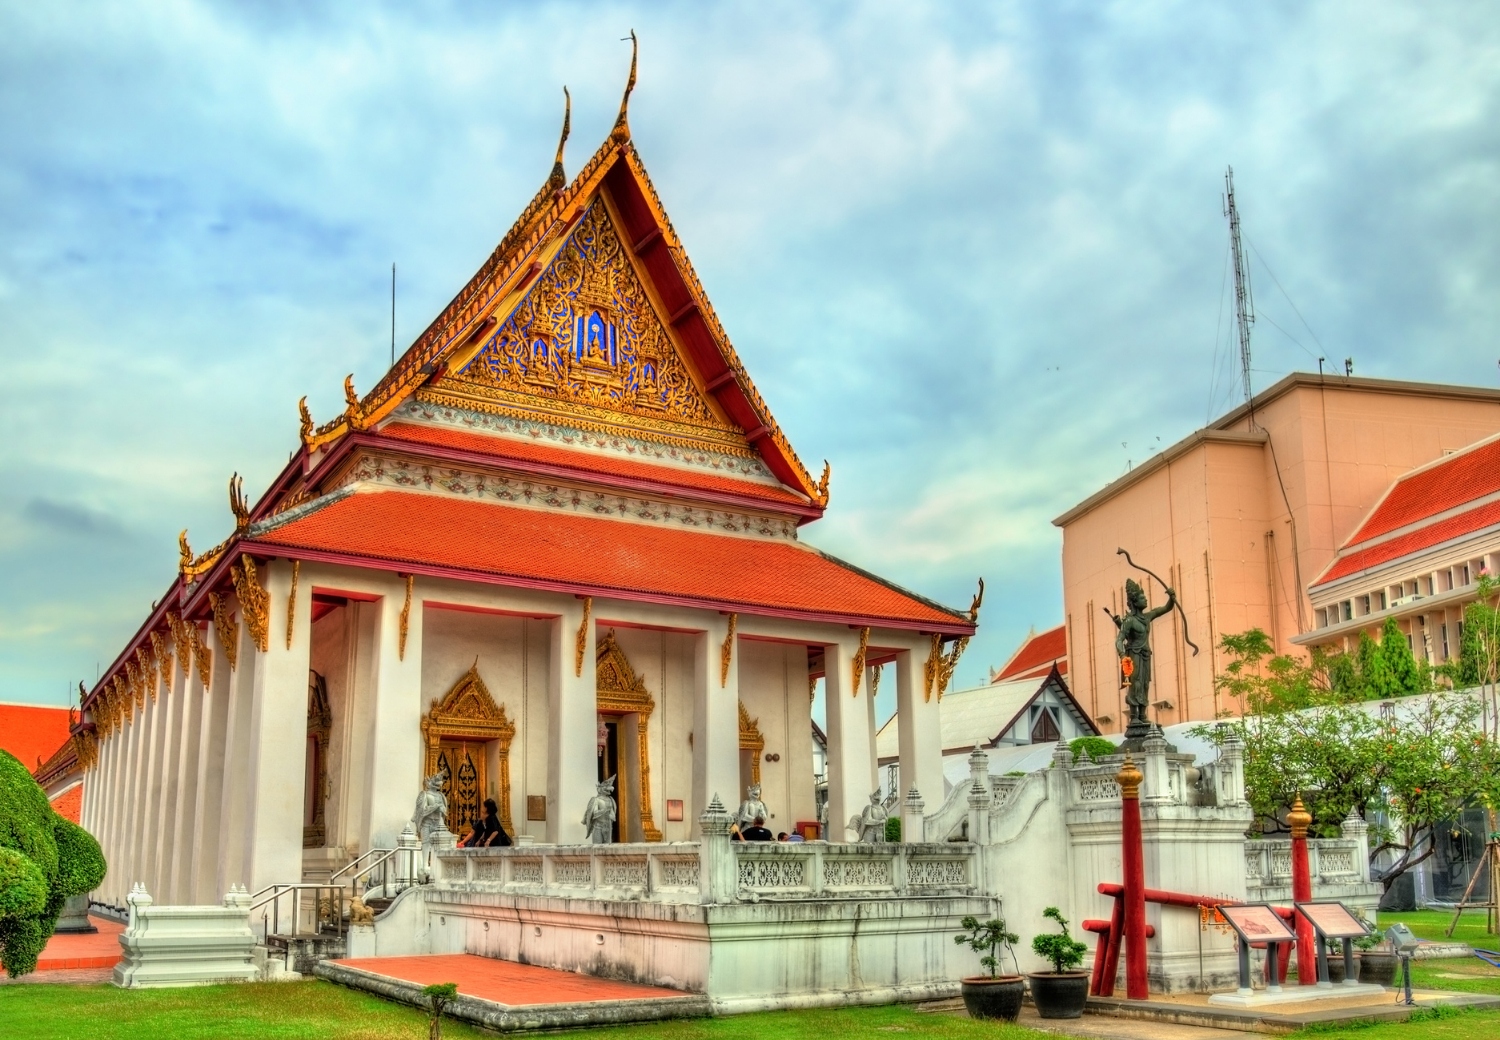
506, 982
99, 949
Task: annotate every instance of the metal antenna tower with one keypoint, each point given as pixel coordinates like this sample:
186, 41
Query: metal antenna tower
1244, 304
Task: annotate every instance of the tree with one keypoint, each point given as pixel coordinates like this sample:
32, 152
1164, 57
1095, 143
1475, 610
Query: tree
1407, 675
44, 859
438, 995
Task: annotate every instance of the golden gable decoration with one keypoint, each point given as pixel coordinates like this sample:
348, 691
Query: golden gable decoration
468, 712
182, 642
226, 628
752, 741
255, 601
163, 651
201, 657
619, 691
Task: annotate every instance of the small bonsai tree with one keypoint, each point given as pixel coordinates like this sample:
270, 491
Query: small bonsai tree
1060, 948
438, 995
44, 859
1092, 748
986, 939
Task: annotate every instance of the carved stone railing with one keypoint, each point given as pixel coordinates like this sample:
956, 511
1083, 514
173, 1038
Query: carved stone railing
663, 873
814, 870
1332, 861
1095, 784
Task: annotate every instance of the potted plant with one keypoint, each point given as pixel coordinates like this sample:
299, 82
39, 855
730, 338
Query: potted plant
1377, 961
1334, 952
1059, 993
992, 995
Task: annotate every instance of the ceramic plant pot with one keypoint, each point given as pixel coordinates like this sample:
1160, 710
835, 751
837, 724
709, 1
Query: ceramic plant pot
998, 997
1378, 968
1059, 995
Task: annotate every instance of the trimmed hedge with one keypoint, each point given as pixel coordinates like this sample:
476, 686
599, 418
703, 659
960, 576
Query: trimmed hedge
44, 859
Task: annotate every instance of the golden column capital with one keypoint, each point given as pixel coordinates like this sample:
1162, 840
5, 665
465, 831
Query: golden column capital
1129, 778
1299, 819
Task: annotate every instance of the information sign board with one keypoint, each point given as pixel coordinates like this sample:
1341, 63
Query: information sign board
1332, 919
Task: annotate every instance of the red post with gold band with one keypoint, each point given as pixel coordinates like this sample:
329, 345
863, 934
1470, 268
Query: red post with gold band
1299, 819
1133, 866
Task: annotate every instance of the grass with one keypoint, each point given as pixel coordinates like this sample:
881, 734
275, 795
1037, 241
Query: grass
1433, 924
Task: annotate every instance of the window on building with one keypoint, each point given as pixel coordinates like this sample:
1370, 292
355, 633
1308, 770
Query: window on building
1364, 605
1380, 598
1410, 644
1443, 638
1044, 730
1467, 579
1348, 608
1322, 617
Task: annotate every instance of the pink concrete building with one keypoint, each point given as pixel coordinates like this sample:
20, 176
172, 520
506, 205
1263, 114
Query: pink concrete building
1240, 517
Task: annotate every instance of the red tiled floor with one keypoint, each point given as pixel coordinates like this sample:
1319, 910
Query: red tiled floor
61, 976
506, 982
99, 949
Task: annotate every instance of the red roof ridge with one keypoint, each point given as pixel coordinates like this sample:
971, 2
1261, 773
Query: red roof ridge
1359, 536
1470, 521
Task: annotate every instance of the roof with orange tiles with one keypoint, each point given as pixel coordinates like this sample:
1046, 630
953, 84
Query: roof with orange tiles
1424, 537
590, 555
1449, 482
591, 463
1036, 656
32, 732
69, 804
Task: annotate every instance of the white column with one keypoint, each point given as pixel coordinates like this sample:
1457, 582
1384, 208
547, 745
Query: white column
918, 730
572, 725
848, 740
716, 720
140, 769
395, 754
185, 804
104, 789
868, 686
111, 816
164, 785
234, 811
278, 736
208, 801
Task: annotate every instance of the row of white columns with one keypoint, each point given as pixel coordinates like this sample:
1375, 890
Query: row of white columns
204, 788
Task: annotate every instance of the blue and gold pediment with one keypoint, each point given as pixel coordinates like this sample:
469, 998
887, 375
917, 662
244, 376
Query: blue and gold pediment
586, 334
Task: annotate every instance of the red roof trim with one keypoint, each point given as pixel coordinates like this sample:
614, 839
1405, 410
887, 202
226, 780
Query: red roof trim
1425, 537
1446, 483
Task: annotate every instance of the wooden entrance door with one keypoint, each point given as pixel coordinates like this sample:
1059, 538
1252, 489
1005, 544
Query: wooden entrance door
463, 762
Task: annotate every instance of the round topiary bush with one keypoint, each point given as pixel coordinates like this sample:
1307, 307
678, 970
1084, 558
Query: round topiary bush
44, 859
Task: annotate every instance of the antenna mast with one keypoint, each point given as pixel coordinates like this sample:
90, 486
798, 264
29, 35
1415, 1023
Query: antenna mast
1244, 303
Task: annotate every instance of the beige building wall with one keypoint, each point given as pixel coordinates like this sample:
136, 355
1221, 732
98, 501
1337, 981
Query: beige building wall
1240, 517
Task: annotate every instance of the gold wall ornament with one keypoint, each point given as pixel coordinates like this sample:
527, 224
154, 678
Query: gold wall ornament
619, 691
875, 680
147, 664
858, 668
751, 741
202, 659
86, 747
726, 651
931, 667
948, 662
812, 687
134, 685
291, 602
163, 651
468, 713
306, 420
226, 628
255, 601
583, 636
237, 504
124, 698
405, 619
182, 642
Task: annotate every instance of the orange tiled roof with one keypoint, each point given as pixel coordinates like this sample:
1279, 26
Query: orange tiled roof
588, 462
69, 804
1446, 484
1423, 537
32, 732
1036, 656
608, 557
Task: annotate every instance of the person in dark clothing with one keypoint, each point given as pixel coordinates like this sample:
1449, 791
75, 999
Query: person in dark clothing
488, 832
758, 831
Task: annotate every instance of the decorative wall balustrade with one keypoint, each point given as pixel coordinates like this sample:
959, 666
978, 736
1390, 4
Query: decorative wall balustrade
1334, 861
814, 870
663, 873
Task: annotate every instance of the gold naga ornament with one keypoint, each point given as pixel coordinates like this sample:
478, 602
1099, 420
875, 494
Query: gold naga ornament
226, 628
202, 659
726, 651
405, 618
858, 665
163, 652
255, 601
938, 671
182, 641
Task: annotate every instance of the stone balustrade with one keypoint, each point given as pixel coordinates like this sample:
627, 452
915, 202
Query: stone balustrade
655, 872
816, 870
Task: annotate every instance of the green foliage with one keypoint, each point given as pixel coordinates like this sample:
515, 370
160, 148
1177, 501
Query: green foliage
893, 828
1407, 675
1264, 681
986, 939
1092, 748
1478, 660
1058, 947
1016, 772
44, 859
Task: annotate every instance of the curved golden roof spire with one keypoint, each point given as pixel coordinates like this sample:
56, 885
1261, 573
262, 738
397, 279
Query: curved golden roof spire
559, 180
621, 132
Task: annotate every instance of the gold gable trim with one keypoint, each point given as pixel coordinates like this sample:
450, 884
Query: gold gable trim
752, 741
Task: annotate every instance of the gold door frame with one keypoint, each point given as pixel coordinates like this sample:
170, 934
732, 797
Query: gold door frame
320, 729
621, 692
751, 740
469, 712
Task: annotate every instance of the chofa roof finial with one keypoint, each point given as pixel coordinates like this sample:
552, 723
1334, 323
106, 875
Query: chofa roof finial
621, 131
559, 179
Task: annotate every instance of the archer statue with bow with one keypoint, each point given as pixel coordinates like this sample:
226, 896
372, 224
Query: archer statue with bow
1133, 644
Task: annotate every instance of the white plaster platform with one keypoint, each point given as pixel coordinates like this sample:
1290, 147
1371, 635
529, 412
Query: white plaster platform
1294, 994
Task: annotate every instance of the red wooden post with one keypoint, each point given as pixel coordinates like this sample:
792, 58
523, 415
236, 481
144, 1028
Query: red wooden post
1133, 866
1299, 819
1112, 950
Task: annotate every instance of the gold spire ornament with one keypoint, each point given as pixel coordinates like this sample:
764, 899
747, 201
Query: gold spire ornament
621, 133
306, 417
822, 488
559, 179
1299, 819
1129, 778
184, 552
237, 504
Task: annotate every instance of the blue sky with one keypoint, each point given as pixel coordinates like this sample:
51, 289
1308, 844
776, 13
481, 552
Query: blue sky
973, 255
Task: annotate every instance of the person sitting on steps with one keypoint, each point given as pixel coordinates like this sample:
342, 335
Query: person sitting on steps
488, 832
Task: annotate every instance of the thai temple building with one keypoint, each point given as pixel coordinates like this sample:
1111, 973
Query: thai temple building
557, 543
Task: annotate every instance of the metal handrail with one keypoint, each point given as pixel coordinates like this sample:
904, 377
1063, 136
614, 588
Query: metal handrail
273, 895
353, 864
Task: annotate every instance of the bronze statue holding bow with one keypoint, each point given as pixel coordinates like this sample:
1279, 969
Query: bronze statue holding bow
1133, 645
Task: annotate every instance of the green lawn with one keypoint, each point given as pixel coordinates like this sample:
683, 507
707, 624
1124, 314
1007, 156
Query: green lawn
1433, 924
321, 1011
